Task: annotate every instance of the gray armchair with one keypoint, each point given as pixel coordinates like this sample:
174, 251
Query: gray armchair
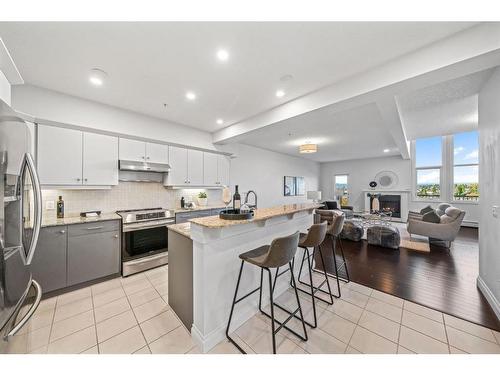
446, 230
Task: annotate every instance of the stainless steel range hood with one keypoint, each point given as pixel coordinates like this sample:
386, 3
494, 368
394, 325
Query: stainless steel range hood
139, 166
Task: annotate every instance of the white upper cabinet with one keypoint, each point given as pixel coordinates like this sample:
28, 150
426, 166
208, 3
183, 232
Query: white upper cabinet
132, 150
68, 157
195, 167
156, 153
59, 155
223, 170
186, 167
178, 161
100, 159
210, 162
215, 169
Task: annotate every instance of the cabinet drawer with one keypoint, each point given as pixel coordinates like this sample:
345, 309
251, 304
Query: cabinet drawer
96, 227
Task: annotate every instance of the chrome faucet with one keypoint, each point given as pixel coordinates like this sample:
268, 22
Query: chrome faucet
246, 199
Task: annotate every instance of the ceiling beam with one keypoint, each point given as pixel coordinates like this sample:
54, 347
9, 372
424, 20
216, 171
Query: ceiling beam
458, 48
392, 121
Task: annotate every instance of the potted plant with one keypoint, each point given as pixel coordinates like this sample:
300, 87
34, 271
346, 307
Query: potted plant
202, 198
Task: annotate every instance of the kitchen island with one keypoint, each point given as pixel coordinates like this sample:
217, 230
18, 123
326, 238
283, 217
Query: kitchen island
216, 244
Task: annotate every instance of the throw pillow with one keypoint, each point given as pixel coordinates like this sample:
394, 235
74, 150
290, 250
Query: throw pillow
442, 208
431, 217
425, 210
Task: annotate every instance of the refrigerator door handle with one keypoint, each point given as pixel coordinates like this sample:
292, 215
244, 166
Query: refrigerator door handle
37, 192
30, 312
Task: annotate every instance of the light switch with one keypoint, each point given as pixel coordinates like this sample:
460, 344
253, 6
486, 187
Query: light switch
495, 210
49, 205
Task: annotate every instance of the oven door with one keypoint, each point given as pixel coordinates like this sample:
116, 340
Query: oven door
144, 239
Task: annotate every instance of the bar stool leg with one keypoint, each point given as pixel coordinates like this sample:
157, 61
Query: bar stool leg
343, 259
232, 309
272, 308
334, 247
325, 274
298, 303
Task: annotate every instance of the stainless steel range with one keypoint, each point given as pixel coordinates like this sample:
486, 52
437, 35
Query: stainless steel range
145, 238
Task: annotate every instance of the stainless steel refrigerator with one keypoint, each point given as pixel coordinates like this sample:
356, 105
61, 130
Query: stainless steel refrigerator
20, 221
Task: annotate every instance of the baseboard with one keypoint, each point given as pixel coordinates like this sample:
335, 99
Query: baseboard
470, 224
492, 300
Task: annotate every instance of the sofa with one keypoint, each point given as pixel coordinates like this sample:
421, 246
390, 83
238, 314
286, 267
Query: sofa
446, 229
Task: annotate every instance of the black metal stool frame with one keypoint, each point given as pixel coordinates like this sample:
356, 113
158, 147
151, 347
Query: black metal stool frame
272, 305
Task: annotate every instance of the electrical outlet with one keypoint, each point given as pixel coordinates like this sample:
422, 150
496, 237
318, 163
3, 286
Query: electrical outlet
495, 210
50, 205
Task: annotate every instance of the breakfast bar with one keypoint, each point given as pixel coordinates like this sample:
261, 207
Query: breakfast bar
216, 246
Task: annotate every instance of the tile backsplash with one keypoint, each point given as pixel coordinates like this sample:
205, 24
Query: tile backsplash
126, 195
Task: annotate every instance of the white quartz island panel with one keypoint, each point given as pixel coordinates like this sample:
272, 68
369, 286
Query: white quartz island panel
216, 246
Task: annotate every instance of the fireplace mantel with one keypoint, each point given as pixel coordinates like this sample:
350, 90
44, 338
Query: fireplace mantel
405, 200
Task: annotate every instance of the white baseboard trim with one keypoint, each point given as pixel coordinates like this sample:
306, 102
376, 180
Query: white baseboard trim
490, 297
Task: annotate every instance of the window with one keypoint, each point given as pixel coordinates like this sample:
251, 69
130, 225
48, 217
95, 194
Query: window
466, 166
428, 162
341, 187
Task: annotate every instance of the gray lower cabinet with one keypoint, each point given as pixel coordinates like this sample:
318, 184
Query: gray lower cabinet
76, 253
92, 255
49, 262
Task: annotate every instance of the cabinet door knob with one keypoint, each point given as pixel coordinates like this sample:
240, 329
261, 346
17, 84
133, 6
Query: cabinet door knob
62, 231
147, 158
85, 180
116, 236
78, 179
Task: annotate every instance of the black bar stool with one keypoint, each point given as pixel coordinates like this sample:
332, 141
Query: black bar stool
335, 221
279, 253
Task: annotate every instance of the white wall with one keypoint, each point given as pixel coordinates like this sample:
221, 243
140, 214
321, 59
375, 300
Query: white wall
489, 163
362, 171
261, 170
55, 106
4, 88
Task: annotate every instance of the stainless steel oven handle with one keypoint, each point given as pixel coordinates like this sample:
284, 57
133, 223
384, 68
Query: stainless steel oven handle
133, 227
30, 312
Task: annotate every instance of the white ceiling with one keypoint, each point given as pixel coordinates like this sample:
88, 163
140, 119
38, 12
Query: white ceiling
351, 134
445, 108
149, 64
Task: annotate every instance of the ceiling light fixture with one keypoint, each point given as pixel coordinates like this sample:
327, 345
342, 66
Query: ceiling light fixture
97, 77
222, 55
308, 148
280, 93
220, 121
386, 150
190, 95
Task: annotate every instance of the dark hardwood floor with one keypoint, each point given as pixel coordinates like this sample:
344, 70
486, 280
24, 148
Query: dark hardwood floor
443, 279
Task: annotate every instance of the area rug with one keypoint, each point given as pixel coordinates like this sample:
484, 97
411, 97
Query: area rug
415, 242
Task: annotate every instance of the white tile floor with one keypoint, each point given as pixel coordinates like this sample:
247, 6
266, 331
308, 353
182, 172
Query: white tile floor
132, 315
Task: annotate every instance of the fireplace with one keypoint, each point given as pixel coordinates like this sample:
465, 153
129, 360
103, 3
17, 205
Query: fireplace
388, 202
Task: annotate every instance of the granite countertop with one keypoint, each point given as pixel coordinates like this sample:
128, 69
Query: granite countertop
260, 214
199, 208
51, 221
182, 228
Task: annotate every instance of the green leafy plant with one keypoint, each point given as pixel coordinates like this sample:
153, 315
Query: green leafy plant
202, 194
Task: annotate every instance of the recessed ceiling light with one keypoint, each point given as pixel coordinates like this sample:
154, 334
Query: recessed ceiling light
280, 93
220, 121
386, 150
222, 55
97, 77
190, 95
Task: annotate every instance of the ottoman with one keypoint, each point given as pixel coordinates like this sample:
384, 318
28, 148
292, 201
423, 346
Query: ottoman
383, 235
352, 231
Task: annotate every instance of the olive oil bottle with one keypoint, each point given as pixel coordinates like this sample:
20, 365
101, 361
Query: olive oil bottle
60, 208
